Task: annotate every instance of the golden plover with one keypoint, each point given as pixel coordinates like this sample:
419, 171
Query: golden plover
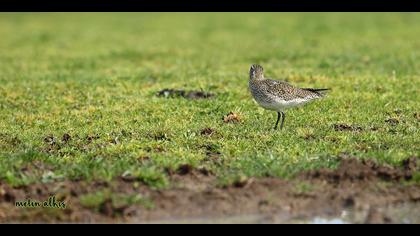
278, 95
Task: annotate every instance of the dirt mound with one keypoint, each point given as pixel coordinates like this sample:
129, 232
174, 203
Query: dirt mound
173, 93
352, 169
207, 131
347, 127
232, 117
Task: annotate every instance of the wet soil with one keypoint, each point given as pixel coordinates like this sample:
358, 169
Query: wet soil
362, 187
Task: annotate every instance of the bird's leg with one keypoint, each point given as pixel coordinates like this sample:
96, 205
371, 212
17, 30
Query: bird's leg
282, 120
278, 119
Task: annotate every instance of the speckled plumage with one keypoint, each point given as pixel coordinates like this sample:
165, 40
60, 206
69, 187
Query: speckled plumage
278, 95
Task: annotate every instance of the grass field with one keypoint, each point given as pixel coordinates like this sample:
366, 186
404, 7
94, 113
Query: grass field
78, 93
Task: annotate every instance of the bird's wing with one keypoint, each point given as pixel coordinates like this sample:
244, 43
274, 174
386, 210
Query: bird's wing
288, 91
320, 92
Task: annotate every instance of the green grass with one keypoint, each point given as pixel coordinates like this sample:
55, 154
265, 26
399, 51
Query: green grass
95, 76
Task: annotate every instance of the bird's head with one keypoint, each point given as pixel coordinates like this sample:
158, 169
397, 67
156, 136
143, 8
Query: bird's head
256, 72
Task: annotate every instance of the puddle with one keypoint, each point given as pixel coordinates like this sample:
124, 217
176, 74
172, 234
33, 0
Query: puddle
408, 213
318, 220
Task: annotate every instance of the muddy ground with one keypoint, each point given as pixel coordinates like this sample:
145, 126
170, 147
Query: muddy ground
362, 188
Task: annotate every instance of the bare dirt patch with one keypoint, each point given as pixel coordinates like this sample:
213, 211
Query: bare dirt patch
91, 138
174, 93
347, 127
416, 116
355, 185
66, 138
207, 131
392, 121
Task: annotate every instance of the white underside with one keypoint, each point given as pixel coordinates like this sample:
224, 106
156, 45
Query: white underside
281, 105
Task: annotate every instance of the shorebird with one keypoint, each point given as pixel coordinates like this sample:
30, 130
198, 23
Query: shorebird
278, 95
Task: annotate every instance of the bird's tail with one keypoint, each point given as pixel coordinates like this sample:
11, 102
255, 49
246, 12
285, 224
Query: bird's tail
319, 92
